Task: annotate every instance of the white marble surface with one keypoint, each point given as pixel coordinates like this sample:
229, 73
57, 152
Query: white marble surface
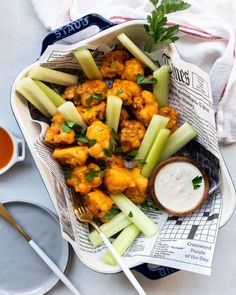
21, 35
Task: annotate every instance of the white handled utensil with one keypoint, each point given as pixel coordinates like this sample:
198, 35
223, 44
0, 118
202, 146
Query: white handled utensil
8, 217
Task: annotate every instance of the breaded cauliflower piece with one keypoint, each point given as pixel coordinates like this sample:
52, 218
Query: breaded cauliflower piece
138, 193
172, 114
144, 107
101, 132
113, 63
70, 92
133, 67
131, 135
76, 155
85, 178
126, 90
98, 203
117, 160
117, 179
54, 134
124, 116
94, 113
90, 93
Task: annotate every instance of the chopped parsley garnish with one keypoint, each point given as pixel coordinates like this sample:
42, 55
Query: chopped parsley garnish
67, 172
140, 161
91, 174
102, 164
118, 150
85, 197
68, 126
143, 81
115, 135
131, 155
107, 152
84, 139
65, 127
95, 96
112, 213
130, 214
156, 26
119, 91
197, 181
78, 181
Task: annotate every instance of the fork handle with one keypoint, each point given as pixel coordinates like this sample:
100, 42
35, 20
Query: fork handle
54, 267
123, 265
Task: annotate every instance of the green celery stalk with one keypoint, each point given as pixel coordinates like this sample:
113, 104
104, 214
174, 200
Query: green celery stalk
127, 43
121, 243
70, 113
157, 123
161, 88
110, 228
131, 211
51, 94
29, 89
52, 76
113, 109
178, 139
87, 63
154, 155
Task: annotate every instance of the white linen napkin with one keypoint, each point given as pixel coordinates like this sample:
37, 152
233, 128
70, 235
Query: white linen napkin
207, 40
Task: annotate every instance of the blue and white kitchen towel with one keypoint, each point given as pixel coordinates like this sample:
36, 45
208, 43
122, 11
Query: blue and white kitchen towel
207, 40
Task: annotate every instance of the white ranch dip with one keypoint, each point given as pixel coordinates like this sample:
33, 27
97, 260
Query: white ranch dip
174, 188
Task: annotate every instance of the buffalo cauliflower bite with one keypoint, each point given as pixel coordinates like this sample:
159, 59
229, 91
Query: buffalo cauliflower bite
101, 133
85, 178
98, 203
172, 114
131, 135
70, 92
126, 90
54, 133
117, 179
117, 160
94, 113
76, 155
90, 93
113, 63
132, 68
138, 193
124, 116
144, 107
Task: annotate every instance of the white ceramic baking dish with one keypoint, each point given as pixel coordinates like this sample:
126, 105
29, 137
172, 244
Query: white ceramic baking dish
31, 128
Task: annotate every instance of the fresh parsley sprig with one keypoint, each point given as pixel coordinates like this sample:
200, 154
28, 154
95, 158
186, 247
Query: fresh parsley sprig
144, 81
196, 182
156, 27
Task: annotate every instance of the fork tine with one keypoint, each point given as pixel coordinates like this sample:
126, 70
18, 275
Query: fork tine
82, 207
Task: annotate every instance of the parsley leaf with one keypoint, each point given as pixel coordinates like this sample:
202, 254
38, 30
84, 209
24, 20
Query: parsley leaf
67, 172
119, 91
143, 81
197, 181
131, 155
102, 164
140, 161
95, 96
84, 139
107, 152
156, 26
130, 214
68, 126
115, 135
91, 174
113, 212
65, 127
85, 197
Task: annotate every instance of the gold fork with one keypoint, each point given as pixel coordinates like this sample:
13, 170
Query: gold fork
83, 214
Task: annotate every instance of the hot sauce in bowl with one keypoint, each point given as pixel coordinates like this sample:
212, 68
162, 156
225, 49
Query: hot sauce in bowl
6, 148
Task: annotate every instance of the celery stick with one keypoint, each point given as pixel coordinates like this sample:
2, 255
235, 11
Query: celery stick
161, 88
146, 225
70, 113
52, 76
157, 123
154, 155
113, 110
88, 64
178, 139
28, 88
115, 225
127, 43
121, 243
51, 94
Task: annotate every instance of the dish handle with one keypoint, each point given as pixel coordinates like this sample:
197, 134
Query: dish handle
155, 273
74, 27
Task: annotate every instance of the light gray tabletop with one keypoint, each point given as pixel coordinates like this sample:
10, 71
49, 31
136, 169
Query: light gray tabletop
21, 34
